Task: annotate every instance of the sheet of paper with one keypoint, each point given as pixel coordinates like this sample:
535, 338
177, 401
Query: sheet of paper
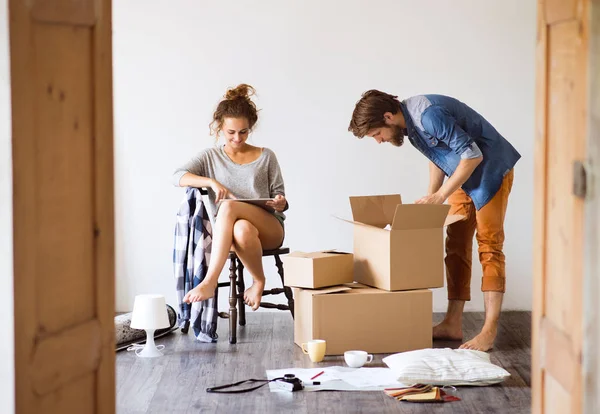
371, 377
338, 378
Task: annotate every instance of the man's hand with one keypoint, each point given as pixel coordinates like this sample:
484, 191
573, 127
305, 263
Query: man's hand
278, 203
435, 198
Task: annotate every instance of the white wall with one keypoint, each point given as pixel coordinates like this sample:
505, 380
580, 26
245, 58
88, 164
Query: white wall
309, 60
6, 259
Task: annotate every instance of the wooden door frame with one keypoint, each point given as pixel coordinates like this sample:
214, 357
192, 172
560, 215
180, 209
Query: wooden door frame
591, 344
555, 350
89, 345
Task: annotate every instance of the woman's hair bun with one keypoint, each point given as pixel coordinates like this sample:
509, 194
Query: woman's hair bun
242, 91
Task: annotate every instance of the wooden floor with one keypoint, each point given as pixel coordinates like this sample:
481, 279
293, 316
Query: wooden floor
176, 383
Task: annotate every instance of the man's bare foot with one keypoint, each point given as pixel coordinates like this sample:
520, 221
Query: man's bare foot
448, 331
253, 294
482, 342
201, 292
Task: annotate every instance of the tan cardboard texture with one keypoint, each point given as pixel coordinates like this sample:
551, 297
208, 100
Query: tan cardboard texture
375, 211
408, 256
318, 269
363, 318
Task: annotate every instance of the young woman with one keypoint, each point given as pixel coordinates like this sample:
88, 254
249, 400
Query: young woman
237, 170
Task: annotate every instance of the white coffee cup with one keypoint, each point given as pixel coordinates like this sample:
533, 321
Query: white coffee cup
356, 359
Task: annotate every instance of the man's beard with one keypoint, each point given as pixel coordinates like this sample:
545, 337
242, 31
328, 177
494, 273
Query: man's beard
397, 138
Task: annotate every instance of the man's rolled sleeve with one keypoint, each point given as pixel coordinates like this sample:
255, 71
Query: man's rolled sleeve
471, 152
440, 124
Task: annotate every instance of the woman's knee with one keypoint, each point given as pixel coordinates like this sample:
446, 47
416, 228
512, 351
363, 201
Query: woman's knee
226, 210
244, 233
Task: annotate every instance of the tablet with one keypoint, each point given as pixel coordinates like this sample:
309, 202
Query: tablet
260, 202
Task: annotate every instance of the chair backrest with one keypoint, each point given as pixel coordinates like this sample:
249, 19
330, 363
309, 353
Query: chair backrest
204, 193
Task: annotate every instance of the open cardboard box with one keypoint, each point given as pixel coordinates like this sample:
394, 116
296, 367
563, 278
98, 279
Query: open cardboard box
408, 256
355, 316
318, 269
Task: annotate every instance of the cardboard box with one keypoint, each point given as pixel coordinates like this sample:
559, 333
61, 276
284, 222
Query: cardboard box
359, 317
408, 256
318, 269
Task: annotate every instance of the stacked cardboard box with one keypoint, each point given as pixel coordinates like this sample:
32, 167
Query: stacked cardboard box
397, 258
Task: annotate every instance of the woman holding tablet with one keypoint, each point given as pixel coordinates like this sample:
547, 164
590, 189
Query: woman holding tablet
237, 170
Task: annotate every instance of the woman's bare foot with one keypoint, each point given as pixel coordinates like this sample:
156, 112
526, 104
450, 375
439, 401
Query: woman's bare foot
201, 292
448, 331
482, 342
253, 294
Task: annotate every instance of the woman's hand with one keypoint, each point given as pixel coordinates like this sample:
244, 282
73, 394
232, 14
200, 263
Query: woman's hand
278, 203
221, 192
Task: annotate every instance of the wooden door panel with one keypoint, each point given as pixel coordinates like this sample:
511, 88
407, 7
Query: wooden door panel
561, 101
70, 12
60, 359
560, 358
64, 171
556, 399
72, 398
61, 84
560, 10
566, 123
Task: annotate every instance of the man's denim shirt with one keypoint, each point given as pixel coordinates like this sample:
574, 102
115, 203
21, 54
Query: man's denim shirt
444, 130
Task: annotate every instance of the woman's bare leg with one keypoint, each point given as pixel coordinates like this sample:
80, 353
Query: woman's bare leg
248, 248
270, 234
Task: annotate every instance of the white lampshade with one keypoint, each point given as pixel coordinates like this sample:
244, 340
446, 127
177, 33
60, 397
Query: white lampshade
149, 312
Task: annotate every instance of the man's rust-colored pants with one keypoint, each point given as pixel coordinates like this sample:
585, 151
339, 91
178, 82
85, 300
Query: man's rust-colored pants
489, 223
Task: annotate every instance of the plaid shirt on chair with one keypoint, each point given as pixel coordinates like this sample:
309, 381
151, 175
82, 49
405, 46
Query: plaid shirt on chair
191, 254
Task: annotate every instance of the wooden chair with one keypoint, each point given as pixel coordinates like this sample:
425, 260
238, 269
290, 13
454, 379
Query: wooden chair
237, 286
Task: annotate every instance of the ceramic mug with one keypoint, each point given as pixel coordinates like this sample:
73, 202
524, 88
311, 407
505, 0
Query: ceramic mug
356, 359
315, 349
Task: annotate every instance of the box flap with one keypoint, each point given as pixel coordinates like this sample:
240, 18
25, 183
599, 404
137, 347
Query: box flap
419, 216
357, 223
299, 254
346, 287
375, 210
328, 254
356, 285
334, 252
316, 255
325, 291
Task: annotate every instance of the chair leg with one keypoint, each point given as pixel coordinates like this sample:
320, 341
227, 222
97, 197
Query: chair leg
186, 327
241, 288
232, 299
286, 289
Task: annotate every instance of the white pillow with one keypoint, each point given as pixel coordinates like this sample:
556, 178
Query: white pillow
445, 367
